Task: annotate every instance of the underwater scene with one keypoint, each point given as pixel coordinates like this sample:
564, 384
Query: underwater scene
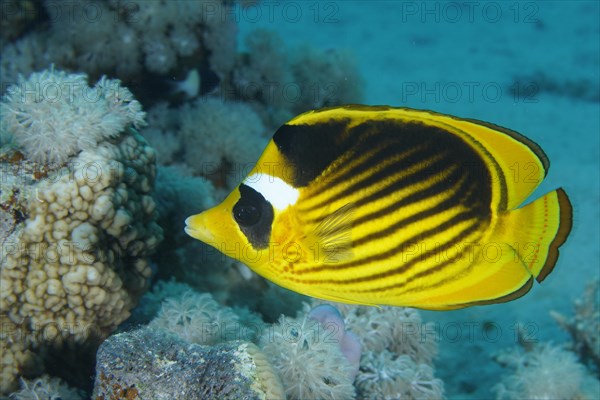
255, 199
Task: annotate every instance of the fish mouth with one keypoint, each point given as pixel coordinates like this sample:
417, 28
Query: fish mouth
195, 226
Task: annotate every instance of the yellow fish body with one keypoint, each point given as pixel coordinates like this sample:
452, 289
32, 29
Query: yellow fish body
393, 206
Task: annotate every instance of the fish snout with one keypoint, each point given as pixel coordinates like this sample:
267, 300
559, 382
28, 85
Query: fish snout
196, 227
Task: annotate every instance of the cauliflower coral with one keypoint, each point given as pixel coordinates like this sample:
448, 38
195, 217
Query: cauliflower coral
76, 188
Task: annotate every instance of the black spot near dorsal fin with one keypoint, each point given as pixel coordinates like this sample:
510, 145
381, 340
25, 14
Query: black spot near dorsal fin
310, 149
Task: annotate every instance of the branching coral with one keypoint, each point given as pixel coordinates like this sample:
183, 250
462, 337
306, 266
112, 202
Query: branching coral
218, 140
262, 71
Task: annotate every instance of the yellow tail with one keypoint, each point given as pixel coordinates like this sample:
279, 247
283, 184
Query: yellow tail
537, 230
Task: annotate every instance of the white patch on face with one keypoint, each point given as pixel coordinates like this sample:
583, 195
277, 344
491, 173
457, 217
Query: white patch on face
274, 190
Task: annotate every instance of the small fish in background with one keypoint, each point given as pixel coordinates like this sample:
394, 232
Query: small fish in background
189, 87
178, 88
378, 205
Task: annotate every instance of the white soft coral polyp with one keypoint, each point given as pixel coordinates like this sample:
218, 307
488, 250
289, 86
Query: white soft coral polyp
53, 115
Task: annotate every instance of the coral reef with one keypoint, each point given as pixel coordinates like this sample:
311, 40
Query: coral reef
203, 123
309, 359
584, 326
16, 16
370, 352
143, 41
398, 353
163, 123
280, 86
46, 387
262, 75
548, 371
124, 39
331, 320
53, 115
197, 318
386, 375
152, 364
397, 329
334, 79
316, 354
75, 260
544, 372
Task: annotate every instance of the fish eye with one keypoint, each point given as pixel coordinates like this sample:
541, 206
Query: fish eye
246, 214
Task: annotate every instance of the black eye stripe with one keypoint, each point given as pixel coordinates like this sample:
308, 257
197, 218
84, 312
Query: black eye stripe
254, 215
246, 215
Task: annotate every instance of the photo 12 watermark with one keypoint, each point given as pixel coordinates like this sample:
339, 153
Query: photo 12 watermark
454, 12
134, 12
467, 91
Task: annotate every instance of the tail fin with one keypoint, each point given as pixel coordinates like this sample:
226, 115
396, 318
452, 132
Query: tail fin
537, 230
